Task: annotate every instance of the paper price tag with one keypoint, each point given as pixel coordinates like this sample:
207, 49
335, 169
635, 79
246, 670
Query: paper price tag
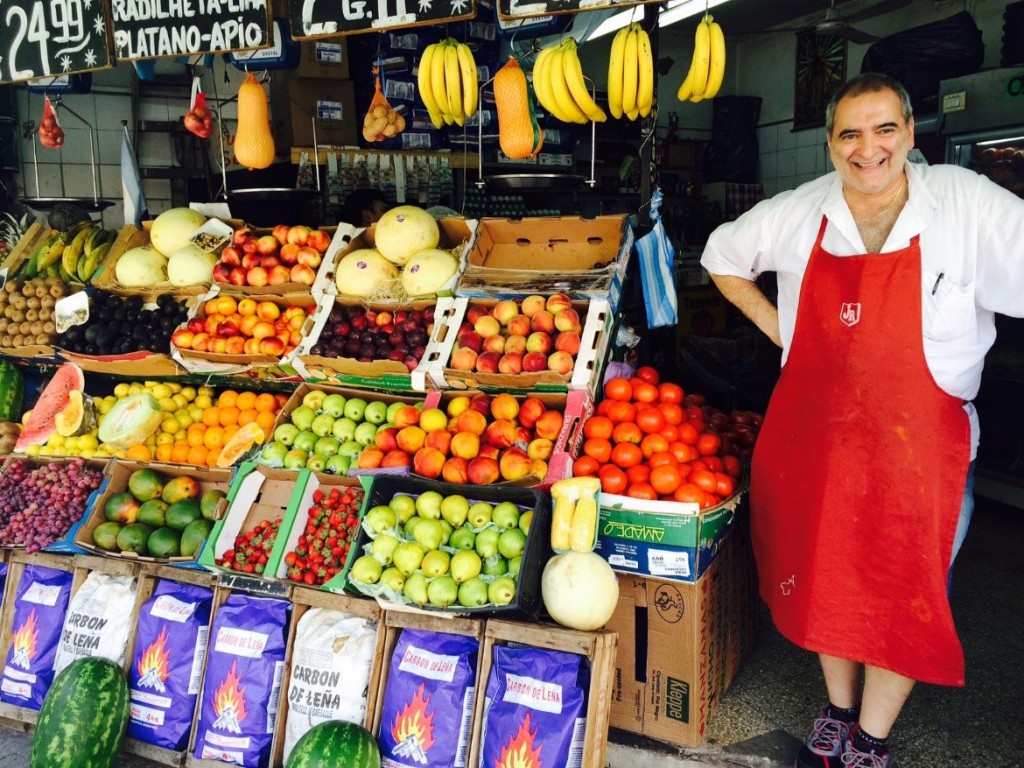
3, 277
71, 310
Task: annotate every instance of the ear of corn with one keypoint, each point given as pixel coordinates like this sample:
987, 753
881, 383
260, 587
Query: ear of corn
574, 513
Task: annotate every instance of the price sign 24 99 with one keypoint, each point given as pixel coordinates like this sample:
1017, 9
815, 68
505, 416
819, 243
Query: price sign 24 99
42, 38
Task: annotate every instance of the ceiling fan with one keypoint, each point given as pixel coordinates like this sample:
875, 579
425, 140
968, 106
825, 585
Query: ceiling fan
835, 23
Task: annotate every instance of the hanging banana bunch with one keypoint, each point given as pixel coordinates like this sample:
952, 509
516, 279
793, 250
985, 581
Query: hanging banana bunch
560, 86
631, 73
447, 81
707, 68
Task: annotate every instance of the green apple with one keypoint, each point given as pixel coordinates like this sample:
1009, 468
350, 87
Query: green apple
404, 506
273, 454
407, 557
322, 425
428, 505
393, 409
442, 591
344, 429
354, 409
338, 464
366, 570
350, 449
505, 515
435, 563
316, 462
454, 509
428, 534
501, 591
465, 565
365, 432
462, 538
415, 589
511, 543
380, 518
295, 459
375, 412
334, 405
302, 417
486, 544
304, 441
327, 446
383, 548
495, 565
285, 434
473, 593
314, 399
393, 578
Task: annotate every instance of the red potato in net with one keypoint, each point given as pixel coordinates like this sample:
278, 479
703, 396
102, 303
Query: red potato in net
51, 135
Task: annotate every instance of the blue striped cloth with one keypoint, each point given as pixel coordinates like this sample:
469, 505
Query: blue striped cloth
656, 258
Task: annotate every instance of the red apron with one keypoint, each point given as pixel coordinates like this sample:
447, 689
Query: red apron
858, 474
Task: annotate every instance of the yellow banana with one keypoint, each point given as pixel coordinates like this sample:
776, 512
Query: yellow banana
615, 72
716, 68
423, 80
701, 56
437, 82
53, 254
686, 87
542, 85
560, 89
453, 86
71, 254
470, 82
645, 66
630, 74
573, 73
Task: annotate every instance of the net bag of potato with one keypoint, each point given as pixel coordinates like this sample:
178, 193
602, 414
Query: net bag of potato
51, 135
381, 121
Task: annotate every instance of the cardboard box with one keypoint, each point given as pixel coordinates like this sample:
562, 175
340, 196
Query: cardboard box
599, 649
666, 539
585, 258
702, 310
333, 105
681, 645
324, 59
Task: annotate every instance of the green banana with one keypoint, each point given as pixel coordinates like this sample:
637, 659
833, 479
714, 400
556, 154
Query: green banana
32, 266
87, 267
95, 237
53, 254
63, 274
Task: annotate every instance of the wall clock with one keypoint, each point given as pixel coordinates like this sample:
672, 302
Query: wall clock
820, 71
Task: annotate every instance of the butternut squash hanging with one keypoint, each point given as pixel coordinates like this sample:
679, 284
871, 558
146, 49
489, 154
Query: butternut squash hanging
254, 144
519, 136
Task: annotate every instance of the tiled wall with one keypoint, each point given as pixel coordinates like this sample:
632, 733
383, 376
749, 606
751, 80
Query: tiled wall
789, 159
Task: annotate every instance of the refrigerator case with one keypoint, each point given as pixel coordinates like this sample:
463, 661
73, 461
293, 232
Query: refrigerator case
982, 117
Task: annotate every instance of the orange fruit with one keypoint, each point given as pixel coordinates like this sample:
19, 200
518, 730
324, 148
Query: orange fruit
211, 416
266, 421
229, 431
227, 398
247, 416
211, 457
245, 401
163, 452
280, 399
139, 452
197, 456
179, 452
228, 415
265, 402
195, 434
214, 438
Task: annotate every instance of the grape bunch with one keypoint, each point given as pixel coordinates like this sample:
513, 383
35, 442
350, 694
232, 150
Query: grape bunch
40, 502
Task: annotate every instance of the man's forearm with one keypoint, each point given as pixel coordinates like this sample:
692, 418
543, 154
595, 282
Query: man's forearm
749, 300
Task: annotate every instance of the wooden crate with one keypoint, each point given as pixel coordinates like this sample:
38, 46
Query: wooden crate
598, 647
148, 580
226, 584
304, 598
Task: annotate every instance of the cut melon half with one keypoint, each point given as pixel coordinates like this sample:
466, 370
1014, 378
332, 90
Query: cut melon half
41, 424
78, 416
131, 420
240, 444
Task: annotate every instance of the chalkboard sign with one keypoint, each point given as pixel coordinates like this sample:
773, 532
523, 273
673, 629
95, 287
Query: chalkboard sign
333, 18
150, 29
524, 9
42, 38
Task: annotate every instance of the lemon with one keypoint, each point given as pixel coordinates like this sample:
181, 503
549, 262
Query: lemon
170, 426
87, 453
55, 441
179, 399
205, 391
101, 405
189, 393
196, 413
164, 438
32, 450
167, 405
136, 388
203, 401
174, 386
122, 390
160, 391
88, 442
71, 444
45, 450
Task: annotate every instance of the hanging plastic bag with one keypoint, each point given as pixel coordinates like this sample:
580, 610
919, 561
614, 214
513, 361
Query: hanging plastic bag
381, 121
199, 119
51, 135
656, 258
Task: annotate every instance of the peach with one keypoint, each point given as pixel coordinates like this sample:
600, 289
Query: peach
182, 338
293, 311
504, 406
278, 275
238, 276
294, 337
301, 273
369, 458
472, 421
296, 321
465, 445
568, 341
548, 425
474, 313
225, 305
454, 470
262, 329
396, 458
319, 240
481, 402
505, 310
280, 232
428, 462
487, 362
500, 433
298, 234
490, 451
386, 439
538, 341
524, 435
487, 325
440, 439
482, 470
539, 468
557, 302
250, 258
511, 364
227, 328
470, 339
560, 362
267, 245
289, 254
268, 310
568, 320
251, 347
246, 306
218, 345
310, 257
247, 323
272, 346
210, 308
535, 361
515, 345
514, 464
201, 342
406, 416
495, 344
457, 405
221, 272
269, 262
533, 304
543, 321
410, 439
432, 419
540, 449
464, 359
519, 325
232, 256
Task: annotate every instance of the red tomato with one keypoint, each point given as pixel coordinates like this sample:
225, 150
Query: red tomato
613, 479
704, 479
627, 432
641, 473
708, 444
641, 491
670, 432
618, 388
714, 463
652, 444
599, 449
585, 466
682, 452
695, 399
650, 421
648, 374
645, 393
622, 411
732, 466
665, 479
627, 455
603, 407
689, 493
660, 459
688, 434
672, 412
710, 500
598, 426
670, 393
724, 485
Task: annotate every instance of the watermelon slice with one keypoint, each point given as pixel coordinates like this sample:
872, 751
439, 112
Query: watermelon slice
42, 424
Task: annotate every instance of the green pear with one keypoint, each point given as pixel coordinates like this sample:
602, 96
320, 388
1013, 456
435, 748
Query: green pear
442, 591
479, 514
415, 589
454, 509
501, 591
473, 593
505, 515
366, 570
465, 565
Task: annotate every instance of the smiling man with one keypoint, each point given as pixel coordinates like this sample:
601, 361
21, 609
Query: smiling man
889, 277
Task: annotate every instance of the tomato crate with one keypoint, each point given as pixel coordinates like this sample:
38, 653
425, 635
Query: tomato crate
150, 577
598, 648
117, 474
292, 690
581, 370
527, 601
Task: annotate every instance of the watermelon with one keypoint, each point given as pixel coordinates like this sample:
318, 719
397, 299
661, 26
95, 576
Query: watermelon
12, 391
83, 718
335, 744
42, 422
